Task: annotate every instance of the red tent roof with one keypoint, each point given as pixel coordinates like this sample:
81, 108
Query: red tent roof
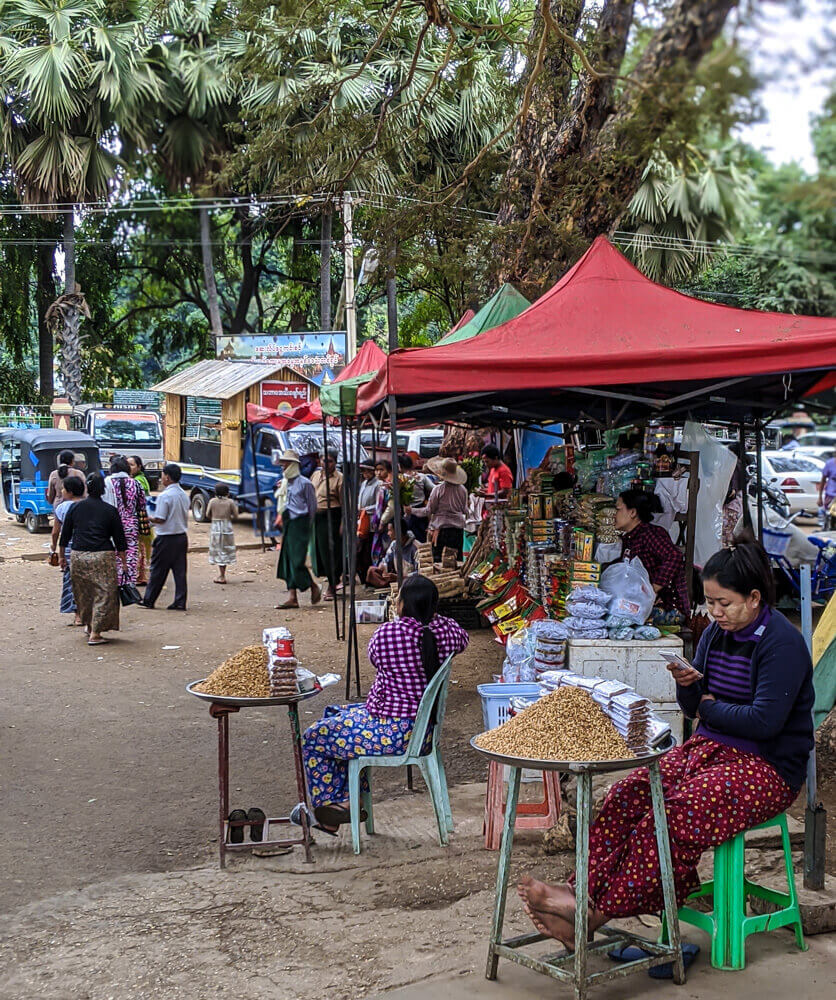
370, 358
605, 324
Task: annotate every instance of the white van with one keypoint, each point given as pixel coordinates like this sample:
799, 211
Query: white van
425, 442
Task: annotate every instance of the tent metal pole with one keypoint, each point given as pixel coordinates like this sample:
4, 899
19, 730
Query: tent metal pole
744, 476
353, 558
815, 815
329, 526
759, 474
257, 490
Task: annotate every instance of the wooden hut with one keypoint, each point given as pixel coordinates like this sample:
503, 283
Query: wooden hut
234, 384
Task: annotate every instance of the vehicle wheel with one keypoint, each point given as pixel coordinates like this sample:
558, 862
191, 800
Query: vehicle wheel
32, 522
200, 502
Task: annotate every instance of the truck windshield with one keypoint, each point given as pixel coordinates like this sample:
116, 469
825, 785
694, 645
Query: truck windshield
143, 431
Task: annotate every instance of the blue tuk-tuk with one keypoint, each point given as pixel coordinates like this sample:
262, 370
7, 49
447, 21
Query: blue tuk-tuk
27, 456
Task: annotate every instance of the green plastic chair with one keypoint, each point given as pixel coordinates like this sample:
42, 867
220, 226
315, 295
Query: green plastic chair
727, 925
430, 763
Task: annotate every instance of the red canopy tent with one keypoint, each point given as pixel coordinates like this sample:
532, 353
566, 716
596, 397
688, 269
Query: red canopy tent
606, 332
370, 358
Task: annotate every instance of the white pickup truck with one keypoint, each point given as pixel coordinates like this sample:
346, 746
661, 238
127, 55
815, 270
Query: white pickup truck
125, 431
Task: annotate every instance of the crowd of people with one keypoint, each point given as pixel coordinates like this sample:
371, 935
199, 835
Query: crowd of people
110, 537
125, 539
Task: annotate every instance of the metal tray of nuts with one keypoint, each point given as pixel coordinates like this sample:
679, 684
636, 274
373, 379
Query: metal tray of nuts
220, 699
623, 764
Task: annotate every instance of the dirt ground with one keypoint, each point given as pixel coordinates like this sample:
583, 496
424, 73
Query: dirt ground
110, 885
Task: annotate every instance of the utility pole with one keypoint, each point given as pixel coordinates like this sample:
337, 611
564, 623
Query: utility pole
348, 259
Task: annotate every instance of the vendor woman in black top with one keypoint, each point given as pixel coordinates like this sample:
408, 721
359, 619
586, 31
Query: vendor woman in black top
97, 536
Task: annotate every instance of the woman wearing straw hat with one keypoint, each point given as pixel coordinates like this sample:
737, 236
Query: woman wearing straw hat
447, 506
297, 520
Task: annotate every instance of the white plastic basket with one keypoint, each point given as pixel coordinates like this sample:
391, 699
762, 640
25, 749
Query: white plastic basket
496, 700
775, 542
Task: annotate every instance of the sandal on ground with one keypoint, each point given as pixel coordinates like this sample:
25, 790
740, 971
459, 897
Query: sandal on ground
236, 833
287, 605
97, 642
257, 818
336, 815
632, 953
74, 624
218, 580
296, 818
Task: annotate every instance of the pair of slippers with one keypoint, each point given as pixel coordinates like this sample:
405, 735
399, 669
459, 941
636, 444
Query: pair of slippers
255, 818
632, 953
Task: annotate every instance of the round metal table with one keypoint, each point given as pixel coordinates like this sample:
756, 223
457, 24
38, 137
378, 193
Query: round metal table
572, 967
221, 708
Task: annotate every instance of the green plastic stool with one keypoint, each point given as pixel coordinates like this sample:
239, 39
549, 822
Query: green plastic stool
728, 925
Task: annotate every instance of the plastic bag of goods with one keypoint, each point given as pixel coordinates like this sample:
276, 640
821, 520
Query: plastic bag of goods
519, 657
629, 586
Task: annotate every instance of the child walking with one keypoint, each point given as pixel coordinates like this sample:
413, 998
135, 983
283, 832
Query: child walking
221, 510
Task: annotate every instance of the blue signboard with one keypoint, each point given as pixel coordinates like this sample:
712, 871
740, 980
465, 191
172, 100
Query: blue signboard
318, 356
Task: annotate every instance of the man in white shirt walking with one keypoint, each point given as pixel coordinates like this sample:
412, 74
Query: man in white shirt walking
171, 541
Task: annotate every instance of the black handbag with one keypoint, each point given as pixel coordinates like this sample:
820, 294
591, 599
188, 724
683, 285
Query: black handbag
128, 594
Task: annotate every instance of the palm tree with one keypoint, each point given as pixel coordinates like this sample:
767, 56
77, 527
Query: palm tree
76, 81
198, 103
682, 207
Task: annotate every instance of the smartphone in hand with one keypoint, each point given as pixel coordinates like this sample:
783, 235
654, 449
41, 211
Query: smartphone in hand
679, 661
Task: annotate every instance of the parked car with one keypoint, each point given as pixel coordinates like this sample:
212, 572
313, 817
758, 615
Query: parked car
797, 475
816, 444
424, 442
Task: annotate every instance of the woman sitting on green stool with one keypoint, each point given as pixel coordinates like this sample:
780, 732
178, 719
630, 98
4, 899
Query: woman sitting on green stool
751, 688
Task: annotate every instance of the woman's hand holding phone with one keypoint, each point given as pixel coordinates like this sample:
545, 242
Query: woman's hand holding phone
683, 673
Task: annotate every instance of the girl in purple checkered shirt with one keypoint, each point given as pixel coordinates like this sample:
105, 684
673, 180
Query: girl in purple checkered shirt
405, 654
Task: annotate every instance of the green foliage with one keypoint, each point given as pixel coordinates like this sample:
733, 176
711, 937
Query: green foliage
17, 385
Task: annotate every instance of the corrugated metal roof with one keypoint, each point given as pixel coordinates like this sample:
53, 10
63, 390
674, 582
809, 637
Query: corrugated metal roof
218, 379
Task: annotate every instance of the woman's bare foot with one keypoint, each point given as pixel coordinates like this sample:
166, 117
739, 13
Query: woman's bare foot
556, 899
551, 925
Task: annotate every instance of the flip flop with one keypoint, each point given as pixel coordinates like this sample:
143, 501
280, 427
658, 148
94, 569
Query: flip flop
287, 606
296, 818
632, 953
236, 833
257, 818
336, 815
97, 642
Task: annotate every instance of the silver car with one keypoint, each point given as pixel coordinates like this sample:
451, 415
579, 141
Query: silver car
797, 475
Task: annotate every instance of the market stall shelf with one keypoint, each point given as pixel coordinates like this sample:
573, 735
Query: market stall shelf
220, 708
572, 967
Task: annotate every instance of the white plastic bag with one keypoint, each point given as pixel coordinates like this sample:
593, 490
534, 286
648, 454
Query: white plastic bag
633, 596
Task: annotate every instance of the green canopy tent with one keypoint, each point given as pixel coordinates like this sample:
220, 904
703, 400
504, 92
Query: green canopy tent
339, 398
502, 306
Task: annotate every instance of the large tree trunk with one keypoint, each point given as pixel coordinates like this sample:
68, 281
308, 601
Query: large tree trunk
325, 270
70, 336
577, 158
45, 295
209, 276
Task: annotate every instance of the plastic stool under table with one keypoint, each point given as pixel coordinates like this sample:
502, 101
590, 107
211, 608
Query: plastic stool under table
530, 815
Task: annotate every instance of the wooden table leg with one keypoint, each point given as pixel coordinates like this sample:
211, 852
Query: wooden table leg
504, 869
657, 796
584, 809
301, 784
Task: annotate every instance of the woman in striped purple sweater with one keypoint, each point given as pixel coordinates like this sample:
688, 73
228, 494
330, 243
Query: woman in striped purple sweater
751, 688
